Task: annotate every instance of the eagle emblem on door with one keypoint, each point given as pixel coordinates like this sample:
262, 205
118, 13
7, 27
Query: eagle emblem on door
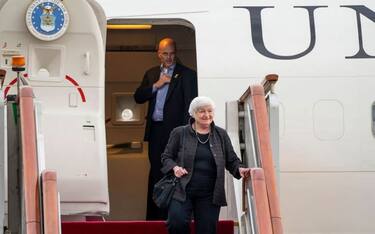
47, 19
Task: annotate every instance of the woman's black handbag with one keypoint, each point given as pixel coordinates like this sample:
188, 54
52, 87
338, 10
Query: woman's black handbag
163, 190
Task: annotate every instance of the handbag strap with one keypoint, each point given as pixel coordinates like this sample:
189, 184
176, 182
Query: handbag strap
183, 145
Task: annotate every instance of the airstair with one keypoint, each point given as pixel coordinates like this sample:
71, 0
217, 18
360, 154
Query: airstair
252, 123
33, 203
32, 197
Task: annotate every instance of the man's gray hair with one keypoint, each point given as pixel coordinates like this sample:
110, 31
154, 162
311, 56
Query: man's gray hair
200, 102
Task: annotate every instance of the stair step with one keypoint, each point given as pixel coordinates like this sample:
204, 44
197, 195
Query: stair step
131, 227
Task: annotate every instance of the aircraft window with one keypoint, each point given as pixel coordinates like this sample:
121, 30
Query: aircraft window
328, 117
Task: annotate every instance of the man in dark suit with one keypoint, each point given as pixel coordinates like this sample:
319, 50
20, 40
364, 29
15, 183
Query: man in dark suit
169, 89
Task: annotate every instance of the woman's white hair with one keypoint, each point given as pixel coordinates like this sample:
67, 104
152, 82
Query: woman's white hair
200, 102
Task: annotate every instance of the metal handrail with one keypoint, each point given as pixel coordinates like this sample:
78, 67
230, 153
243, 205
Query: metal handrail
268, 82
265, 150
51, 220
30, 180
253, 102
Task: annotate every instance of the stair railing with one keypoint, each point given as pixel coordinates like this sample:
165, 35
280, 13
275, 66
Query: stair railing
262, 133
261, 208
39, 198
272, 102
29, 163
51, 209
3, 148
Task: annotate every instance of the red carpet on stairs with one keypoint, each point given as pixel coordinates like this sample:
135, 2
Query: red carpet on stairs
131, 227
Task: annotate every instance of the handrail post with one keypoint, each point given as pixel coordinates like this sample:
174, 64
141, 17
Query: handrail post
30, 175
269, 82
258, 184
272, 103
51, 220
14, 166
3, 154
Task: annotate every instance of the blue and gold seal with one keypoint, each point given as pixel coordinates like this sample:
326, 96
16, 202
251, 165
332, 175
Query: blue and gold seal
47, 19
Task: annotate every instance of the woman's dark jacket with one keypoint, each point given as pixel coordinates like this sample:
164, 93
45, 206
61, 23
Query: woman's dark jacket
221, 148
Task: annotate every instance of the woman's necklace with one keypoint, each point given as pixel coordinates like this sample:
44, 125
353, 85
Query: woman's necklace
199, 140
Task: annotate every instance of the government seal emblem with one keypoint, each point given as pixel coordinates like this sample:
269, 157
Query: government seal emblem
47, 19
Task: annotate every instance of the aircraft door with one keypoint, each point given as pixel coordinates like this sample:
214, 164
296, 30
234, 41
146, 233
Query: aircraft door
63, 42
131, 51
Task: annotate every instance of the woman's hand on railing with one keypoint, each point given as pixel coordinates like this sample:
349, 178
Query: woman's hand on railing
244, 172
179, 171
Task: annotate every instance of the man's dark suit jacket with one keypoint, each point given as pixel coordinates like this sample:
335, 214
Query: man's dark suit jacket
182, 89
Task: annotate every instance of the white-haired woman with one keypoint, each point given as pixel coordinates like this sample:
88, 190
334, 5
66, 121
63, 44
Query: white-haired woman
198, 153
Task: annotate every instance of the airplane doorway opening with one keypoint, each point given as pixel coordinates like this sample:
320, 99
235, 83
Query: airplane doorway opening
129, 53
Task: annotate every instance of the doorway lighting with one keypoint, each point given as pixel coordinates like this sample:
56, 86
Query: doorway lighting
128, 26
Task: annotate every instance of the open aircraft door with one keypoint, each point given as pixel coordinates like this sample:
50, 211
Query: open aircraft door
64, 46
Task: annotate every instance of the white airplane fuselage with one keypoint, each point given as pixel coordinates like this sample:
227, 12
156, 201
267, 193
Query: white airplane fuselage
324, 56
323, 52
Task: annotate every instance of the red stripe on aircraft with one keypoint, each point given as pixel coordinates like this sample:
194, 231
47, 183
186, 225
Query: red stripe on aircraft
9, 86
6, 91
71, 80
